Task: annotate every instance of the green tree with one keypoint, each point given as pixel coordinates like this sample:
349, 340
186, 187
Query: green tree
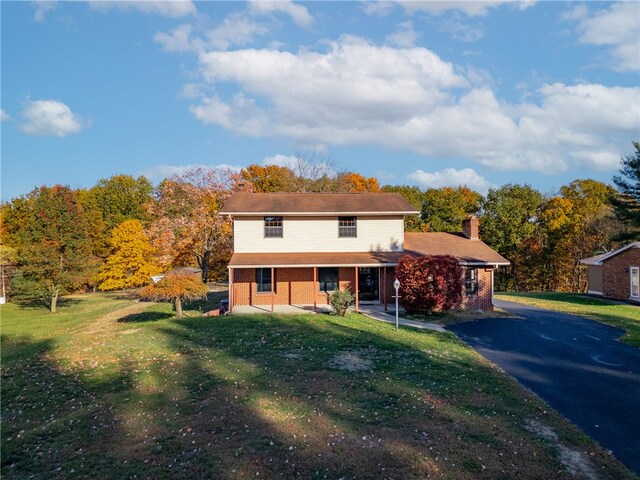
121, 198
175, 288
416, 197
444, 209
509, 225
131, 262
627, 201
53, 246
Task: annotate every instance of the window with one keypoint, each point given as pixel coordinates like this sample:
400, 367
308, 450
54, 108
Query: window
347, 227
328, 279
272, 227
634, 272
471, 281
263, 280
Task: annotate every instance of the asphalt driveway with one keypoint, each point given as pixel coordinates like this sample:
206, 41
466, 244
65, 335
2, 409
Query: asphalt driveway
576, 365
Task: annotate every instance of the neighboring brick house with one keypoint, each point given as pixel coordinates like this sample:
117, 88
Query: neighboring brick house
615, 274
295, 248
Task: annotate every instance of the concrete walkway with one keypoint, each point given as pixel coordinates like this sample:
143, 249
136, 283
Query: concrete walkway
377, 313
283, 309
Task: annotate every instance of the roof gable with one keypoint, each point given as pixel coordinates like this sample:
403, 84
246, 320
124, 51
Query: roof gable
600, 259
317, 204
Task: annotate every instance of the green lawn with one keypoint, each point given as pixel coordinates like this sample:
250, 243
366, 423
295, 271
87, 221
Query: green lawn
612, 313
111, 388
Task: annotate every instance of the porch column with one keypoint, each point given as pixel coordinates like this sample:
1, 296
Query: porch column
357, 287
272, 285
232, 292
384, 287
315, 287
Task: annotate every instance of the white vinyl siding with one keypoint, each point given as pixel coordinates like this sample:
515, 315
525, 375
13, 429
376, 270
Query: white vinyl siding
319, 234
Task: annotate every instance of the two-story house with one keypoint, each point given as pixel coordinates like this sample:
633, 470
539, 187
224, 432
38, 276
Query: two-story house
296, 248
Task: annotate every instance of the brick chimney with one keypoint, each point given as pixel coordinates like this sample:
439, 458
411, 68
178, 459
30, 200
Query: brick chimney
470, 227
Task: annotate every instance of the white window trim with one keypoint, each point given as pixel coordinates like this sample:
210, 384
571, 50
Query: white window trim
631, 270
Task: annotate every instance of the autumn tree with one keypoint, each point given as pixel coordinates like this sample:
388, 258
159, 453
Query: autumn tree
575, 224
509, 225
175, 288
444, 209
131, 262
52, 243
429, 283
121, 198
270, 178
354, 182
186, 227
627, 200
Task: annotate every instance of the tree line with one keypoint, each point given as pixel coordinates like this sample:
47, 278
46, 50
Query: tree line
120, 232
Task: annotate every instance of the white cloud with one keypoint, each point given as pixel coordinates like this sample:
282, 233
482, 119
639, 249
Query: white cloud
289, 161
460, 30
42, 7
405, 35
469, 8
179, 40
4, 116
450, 177
379, 8
165, 8
236, 29
51, 118
357, 93
617, 27
160, 172
298, 13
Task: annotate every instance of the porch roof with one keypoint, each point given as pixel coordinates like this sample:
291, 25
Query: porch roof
313, 259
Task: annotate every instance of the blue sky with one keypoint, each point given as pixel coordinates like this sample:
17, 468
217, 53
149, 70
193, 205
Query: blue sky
421, 93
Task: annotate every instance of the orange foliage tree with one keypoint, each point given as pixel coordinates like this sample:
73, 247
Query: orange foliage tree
186, 227
354, 182
175, 288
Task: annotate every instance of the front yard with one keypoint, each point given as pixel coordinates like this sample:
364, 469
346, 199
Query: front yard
606, 311
112, 388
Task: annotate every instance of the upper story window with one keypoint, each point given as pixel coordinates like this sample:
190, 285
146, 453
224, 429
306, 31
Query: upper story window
471, 281
347, 227
272, 227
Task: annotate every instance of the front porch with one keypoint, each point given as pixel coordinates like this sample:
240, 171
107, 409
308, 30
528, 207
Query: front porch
293, 289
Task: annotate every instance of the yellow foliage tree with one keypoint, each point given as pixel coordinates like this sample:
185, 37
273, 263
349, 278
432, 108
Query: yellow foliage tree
132, 260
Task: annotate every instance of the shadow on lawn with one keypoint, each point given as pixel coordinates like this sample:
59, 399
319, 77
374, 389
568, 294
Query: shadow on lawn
145, 317
257, 396
44, 303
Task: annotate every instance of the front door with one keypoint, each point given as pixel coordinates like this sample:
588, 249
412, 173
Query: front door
368, 287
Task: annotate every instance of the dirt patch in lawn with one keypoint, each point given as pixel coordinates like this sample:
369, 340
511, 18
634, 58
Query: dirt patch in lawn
351, 361
576, 462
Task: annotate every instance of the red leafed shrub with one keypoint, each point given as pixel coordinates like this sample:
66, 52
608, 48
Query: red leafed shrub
430, 283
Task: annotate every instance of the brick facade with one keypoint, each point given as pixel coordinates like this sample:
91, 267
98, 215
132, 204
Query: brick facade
483, 300
294, 286
616, 280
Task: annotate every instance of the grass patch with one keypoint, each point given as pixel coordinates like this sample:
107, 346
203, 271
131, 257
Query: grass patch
612, 313
453, 316
85, 394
